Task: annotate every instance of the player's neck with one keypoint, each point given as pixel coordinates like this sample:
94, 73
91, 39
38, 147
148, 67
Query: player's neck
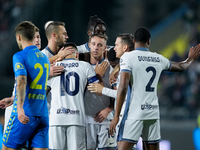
53, 47
95, 60
26, 43
139, 44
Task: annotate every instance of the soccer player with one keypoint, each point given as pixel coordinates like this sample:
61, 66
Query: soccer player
124, 43
67, 113
141, 69
99, 108
29, 119
7, 102
57, 36
95, 26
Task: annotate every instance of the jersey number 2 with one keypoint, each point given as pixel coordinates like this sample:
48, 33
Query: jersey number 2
66, 82
148, 87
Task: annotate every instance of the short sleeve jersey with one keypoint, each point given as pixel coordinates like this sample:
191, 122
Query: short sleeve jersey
68, 92
145, 68
35, 65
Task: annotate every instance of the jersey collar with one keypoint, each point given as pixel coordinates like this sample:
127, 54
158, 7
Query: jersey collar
142, 49
30, 47
87, 47
69, 59
47, 48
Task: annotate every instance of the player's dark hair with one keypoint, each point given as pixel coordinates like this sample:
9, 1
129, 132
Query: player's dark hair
127, 38
52, 27
101, 36
142, 34
94, 21
26, 29
111, 54
70, 44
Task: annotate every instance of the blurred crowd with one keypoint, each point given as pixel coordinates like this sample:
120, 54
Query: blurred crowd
9, 11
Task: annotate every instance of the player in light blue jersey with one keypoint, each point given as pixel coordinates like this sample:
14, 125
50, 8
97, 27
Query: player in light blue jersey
141, 69
29, 119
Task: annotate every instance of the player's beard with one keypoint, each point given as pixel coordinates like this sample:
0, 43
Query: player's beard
60, 42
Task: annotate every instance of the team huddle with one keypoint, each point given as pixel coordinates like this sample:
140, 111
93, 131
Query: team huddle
85, 97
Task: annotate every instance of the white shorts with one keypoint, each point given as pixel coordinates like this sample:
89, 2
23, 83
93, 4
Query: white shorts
98, 136
133, 129
67, 137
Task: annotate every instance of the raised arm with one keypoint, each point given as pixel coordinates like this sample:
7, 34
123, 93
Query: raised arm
181, 66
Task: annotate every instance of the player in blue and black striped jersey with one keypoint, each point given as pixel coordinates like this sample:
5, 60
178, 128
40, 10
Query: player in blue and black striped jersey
29, 119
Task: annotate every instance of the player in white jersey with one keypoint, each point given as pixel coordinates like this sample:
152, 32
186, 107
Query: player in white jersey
67, 113
99, 108
141, 69
124, 43
7, 102
57, 36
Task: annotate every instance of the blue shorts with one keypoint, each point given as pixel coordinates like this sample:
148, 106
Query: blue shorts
35, 132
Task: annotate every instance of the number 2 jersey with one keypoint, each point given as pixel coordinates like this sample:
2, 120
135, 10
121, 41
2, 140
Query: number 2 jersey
35, 65
67, 105
145, 68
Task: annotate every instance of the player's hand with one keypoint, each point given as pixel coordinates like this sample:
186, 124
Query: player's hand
194, 52
22, 117
101, 116
101, 69
113, 76
55, 70
6, 102
95, 87
113, 125
64, 52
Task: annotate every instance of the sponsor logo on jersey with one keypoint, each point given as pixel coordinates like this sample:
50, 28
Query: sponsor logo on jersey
67, 111
148, 106
18, 66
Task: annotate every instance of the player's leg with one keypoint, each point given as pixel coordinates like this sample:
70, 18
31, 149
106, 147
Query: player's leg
129, 134
57, 137
151, 134
91, 134
105, 140
76, 138
39, 139
125, 145
153, 146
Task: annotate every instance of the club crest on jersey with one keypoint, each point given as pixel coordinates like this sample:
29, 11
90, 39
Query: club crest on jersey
18, 66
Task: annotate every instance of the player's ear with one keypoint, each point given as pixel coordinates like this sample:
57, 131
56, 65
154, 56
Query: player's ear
125, 47
134, 40
89, 32
54, 34
148, 42
77, 56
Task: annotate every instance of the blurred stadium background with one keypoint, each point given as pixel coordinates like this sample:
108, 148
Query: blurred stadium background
174, 25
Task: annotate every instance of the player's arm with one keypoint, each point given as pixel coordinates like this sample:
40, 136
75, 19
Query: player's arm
21, 92
181, 66
121, 95
98, 88
6, 102
114, 74
61, 54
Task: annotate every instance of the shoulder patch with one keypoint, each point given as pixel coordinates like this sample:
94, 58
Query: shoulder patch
18, 66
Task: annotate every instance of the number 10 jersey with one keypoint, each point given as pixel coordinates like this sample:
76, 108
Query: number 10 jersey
67, 105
